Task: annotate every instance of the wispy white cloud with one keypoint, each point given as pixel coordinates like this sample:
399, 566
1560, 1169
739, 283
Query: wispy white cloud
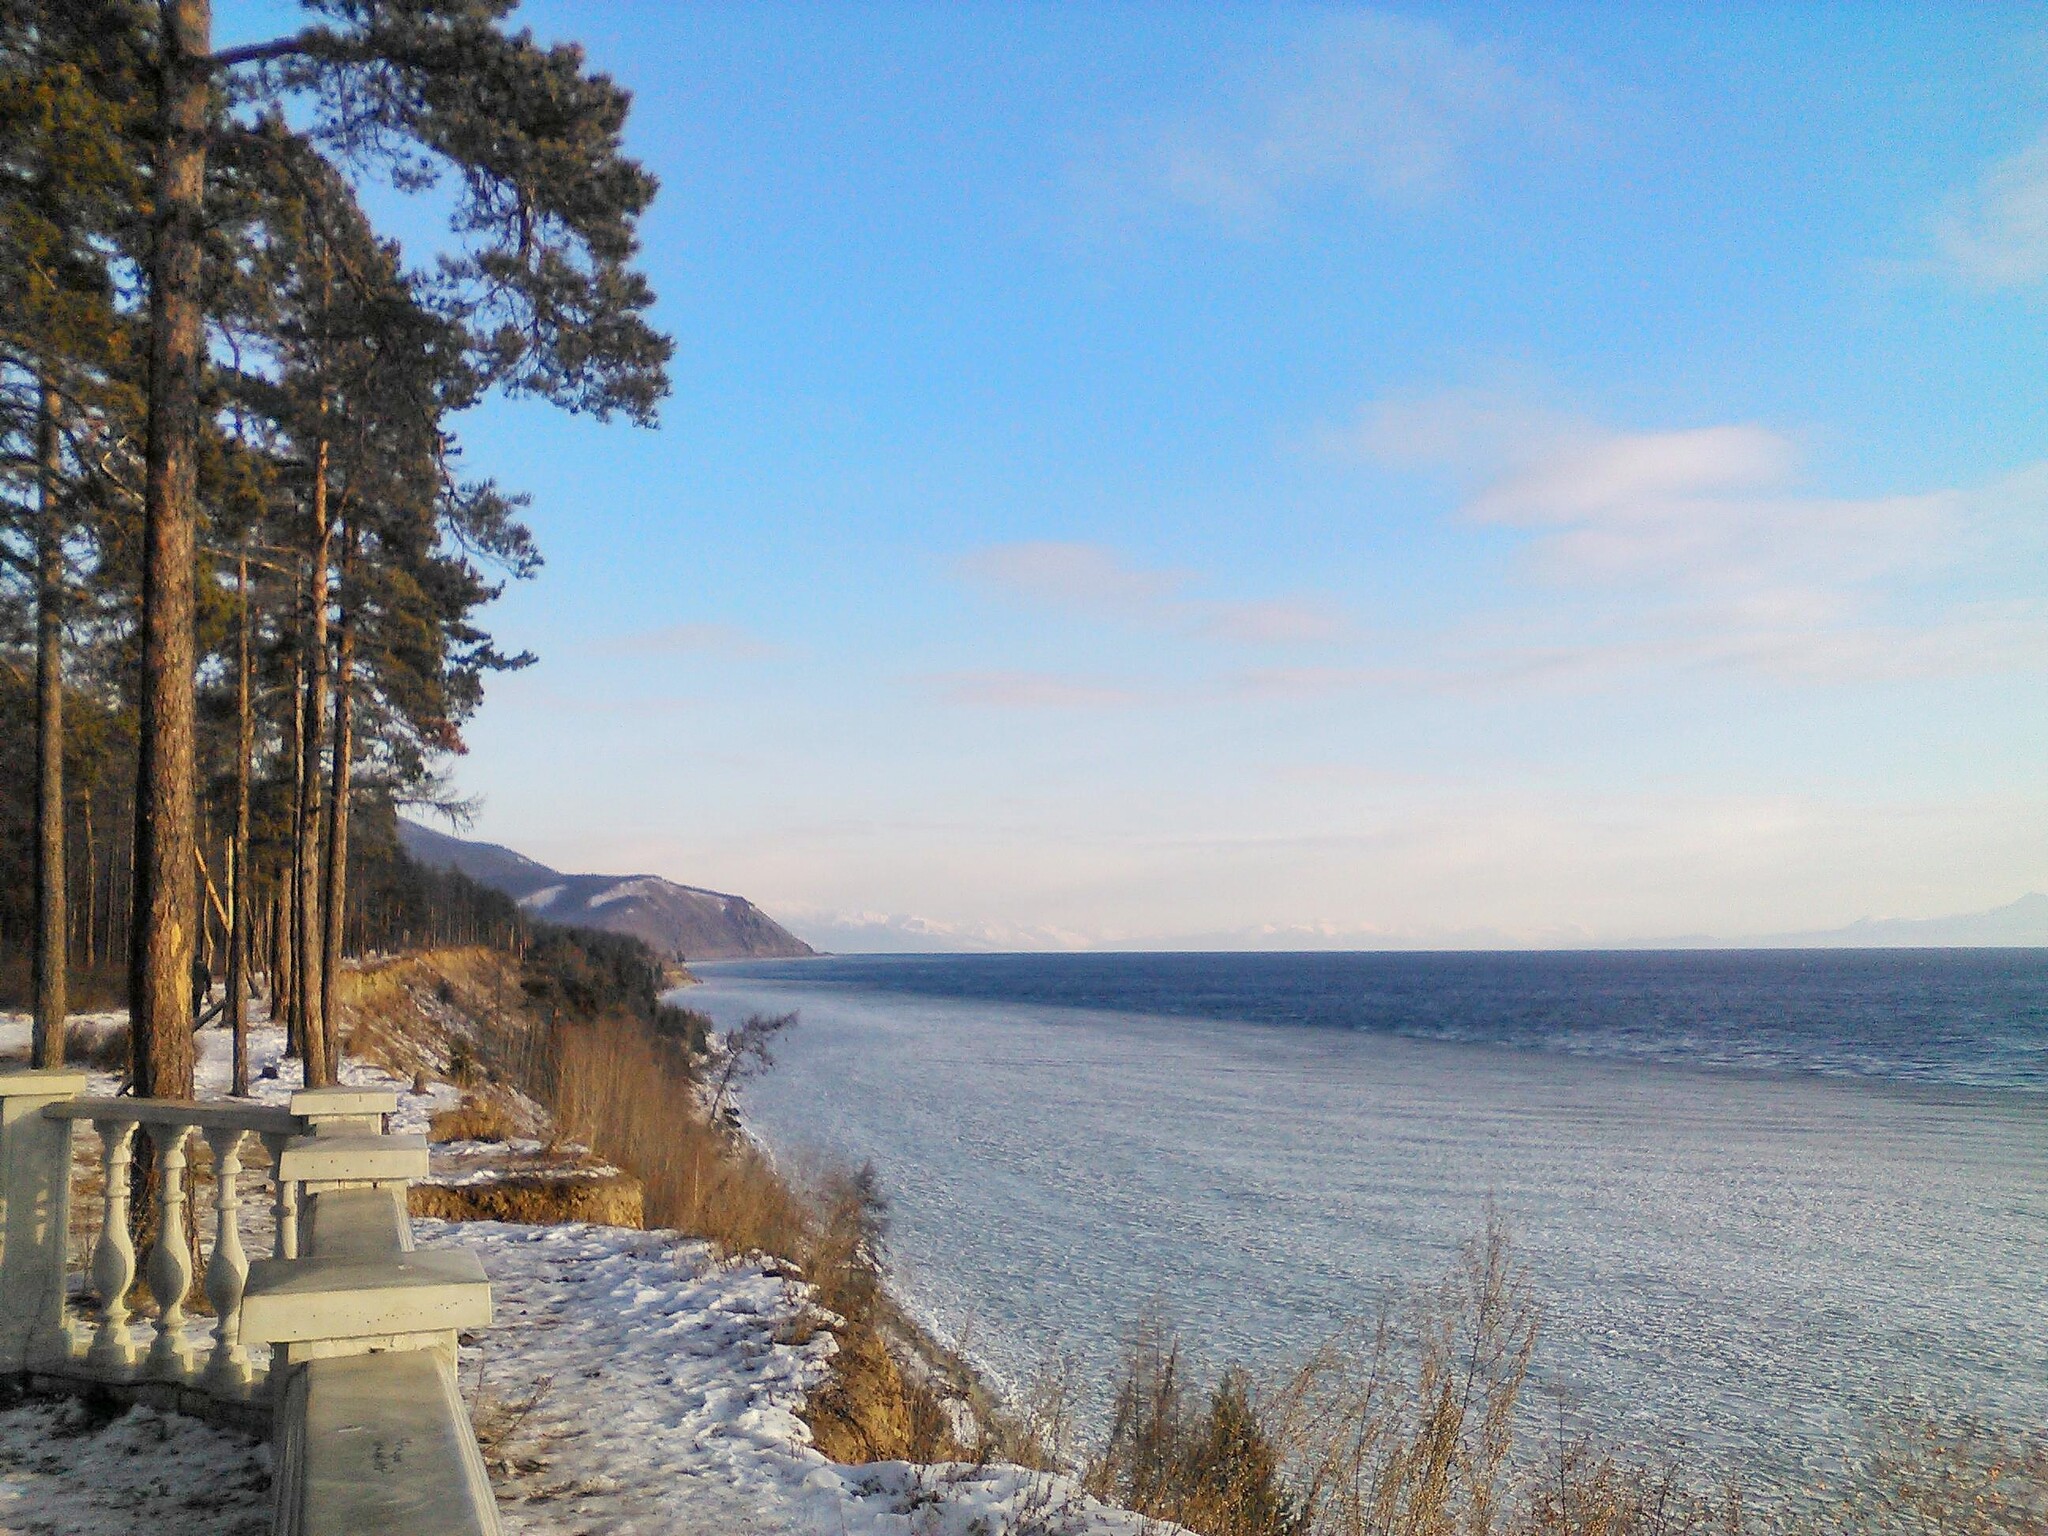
689, 639
1997, 235
1071, 575
1700, 547
1093, 580
1289, 621
1317, 682
1377, 104
1030, 690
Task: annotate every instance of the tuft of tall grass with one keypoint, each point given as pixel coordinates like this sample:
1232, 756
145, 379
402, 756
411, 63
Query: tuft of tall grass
1206, 1461
474, 1119
1406, 1425
630, 1095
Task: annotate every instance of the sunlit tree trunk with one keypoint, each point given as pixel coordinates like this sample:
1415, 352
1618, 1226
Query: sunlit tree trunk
306, 962
51, 951
336, 903
239, 899
288, 896
166, 895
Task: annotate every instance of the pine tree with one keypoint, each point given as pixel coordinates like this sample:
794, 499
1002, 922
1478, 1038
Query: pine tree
66, 175
543, 291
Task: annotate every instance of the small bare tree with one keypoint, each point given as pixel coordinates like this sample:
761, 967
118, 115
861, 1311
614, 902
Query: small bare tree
746, 1053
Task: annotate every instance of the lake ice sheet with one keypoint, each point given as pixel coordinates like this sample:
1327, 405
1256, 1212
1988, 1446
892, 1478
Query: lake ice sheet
1743, 1263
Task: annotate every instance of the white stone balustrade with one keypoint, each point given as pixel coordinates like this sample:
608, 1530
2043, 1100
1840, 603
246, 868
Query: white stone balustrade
359, 1397
171, 1355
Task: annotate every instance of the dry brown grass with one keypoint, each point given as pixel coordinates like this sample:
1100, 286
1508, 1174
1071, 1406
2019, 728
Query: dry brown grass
1926, 1477
96, 989
103, 1047
1406, 1424
474, 1119
1203, 1460
631, 1096
538, 1199
456, 1014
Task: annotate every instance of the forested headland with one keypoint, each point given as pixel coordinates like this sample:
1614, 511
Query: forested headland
243, 558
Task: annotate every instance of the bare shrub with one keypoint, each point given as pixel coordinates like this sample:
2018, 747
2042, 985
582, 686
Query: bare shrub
1405, 1426
1038, 1430
1581, 1492
103, 1047
1924, 1477
1214, 1468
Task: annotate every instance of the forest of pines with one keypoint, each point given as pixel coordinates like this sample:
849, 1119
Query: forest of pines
243, 557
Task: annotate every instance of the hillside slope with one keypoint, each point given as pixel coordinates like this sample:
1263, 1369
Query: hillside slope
679, 920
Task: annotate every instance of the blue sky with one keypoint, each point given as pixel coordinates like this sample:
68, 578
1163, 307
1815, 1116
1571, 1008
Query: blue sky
1285, 475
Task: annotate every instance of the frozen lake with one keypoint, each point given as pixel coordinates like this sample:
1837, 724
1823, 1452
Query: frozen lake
1743, 1260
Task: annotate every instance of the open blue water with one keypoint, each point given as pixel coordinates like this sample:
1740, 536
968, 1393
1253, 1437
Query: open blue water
1763, 1194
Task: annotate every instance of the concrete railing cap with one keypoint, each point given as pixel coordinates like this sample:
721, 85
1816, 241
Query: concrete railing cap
51, 1084
344, 1101
324, 1158
292, 1301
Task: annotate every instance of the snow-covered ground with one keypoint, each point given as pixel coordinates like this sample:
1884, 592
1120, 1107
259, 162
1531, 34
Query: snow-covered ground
631, 1382
66, 1471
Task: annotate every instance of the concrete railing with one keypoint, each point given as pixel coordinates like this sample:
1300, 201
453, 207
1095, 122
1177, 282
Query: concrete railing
340, 1346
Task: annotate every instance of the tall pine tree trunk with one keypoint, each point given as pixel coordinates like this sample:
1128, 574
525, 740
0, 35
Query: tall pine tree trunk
336, 904
288, 896
166, 896
239, 902
280, 959
306, 962
46, 1047
92, 880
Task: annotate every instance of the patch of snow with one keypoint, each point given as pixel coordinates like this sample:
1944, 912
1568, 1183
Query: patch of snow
626, 890
62, 1469
655, 1389
484, 1162
17, 1029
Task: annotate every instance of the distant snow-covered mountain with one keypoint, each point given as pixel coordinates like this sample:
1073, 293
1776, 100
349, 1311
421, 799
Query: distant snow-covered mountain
678, 920
2022, 924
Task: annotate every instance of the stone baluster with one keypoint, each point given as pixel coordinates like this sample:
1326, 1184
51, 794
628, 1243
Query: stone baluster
170, 1256
113, 1256
227, 1370
35, 1207
285, 1198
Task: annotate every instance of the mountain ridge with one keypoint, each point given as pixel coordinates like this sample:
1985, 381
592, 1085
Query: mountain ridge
2020, 924
686, 922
